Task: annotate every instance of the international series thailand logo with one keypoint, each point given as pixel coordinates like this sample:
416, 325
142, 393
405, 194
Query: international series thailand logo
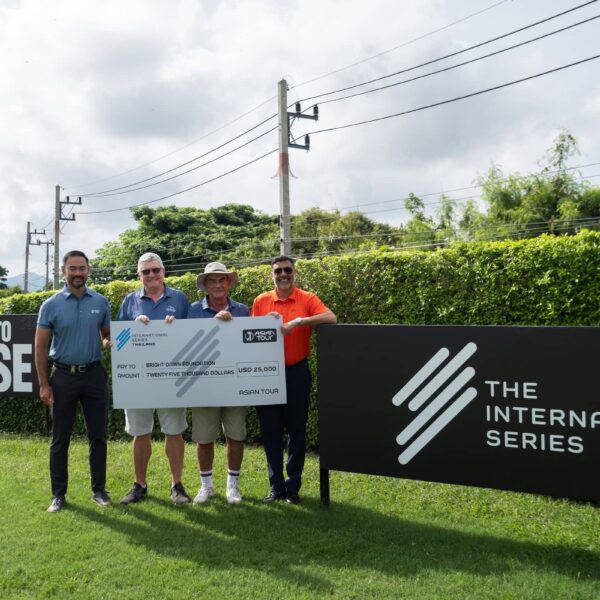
123, 338
440, 382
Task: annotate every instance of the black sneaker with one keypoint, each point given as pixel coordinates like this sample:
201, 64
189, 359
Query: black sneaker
292, 498
272, 496
179, 495
58, 503
135, 494
101, 498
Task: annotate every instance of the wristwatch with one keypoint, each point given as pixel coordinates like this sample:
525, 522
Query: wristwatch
298, 321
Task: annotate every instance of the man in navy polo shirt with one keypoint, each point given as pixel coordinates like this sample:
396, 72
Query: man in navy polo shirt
155, 300
208, 420
74, 319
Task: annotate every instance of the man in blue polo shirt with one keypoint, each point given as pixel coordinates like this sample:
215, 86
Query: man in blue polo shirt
74, 319
208, 420
155, 300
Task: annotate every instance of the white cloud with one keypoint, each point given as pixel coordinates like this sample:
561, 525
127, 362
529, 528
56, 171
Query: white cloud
93, 90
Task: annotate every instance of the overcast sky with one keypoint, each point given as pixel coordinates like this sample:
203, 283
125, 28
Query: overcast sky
99, 95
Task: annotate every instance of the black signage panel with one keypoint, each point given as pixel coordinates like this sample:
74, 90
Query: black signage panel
17, 369
515, 408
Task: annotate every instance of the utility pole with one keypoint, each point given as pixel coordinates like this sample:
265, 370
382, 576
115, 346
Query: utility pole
26, 276
47, 243
285, 120
56, 235
285, 229
58, 217
28, 243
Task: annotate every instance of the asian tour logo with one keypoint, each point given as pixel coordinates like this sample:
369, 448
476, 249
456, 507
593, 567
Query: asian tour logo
123, 337
443, 408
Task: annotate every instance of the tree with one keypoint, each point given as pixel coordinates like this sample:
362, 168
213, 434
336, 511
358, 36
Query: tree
317, 232
187, 238
3, 274
420, 229
553, 200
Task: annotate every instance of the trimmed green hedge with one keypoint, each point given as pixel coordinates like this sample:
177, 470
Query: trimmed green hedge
547, 280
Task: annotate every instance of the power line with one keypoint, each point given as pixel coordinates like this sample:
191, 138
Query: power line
456, 53
208, 162
508, 229
97, 212
456, 99
462, 64
116, 191
249, 229
271, 98
450, 191
404, 44
498, 236
77, 186
346, 126
438, 231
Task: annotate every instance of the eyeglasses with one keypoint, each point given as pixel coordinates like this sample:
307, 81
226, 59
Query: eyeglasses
286, 270
154, 270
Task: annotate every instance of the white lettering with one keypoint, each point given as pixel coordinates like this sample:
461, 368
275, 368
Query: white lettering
493, 438
558, 416
506, 388
5, 331
532, 441
537, 416
492, 385
20, 367
5, 374
520, 410
575, 444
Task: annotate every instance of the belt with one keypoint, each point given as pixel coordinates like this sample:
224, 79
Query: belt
77, 368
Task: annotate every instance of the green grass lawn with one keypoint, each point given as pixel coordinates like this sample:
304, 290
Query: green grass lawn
381, 537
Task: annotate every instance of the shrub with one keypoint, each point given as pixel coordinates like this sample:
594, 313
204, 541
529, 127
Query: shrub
547, 280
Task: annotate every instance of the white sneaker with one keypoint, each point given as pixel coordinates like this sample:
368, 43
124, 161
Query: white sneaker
233, 494
204, 494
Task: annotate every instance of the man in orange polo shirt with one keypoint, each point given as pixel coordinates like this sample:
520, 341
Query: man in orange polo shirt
300, 311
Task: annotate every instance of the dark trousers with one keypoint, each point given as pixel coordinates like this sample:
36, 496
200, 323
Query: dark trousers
291, 418
91, 390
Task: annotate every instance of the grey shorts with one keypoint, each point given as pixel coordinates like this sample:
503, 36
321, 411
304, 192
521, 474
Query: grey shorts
140, 421
207, 420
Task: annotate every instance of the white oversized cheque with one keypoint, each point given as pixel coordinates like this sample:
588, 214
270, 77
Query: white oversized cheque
198, 362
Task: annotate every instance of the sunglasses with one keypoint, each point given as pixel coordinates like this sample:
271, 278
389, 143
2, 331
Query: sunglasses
286, 270
154, 270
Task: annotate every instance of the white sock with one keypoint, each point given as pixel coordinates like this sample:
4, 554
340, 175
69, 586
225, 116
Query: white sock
206, 478
232, 478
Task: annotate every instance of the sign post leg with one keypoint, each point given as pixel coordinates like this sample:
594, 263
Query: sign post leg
324, 487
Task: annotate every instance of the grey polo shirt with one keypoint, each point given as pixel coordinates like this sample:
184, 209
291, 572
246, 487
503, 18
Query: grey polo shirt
75, 324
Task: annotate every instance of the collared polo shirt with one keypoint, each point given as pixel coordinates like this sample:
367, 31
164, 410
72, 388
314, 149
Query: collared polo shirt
296, 345
75, 324
202, 310
172, 302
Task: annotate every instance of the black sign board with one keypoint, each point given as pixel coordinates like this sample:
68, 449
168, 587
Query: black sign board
17, 369
515, 408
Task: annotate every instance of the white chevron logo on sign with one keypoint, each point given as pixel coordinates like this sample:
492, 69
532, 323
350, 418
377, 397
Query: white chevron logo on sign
436, 415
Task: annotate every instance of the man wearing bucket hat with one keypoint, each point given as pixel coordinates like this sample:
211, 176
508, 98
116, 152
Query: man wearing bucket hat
207, 421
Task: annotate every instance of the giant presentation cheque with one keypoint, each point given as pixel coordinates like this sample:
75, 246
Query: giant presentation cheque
198, 362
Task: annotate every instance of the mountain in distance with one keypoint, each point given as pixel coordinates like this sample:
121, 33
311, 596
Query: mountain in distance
35, 284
